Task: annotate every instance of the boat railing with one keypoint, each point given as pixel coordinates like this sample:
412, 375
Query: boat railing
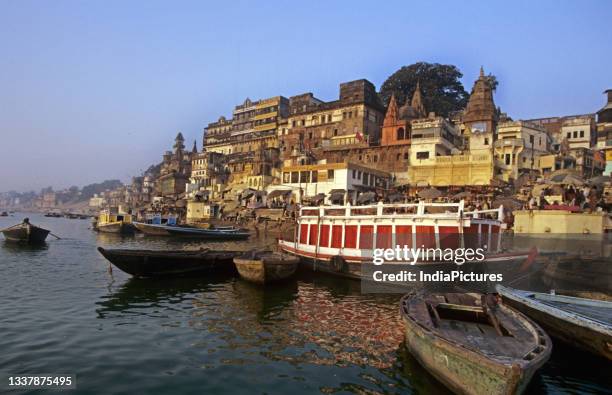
414, 210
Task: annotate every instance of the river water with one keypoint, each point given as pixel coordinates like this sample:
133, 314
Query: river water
62, 311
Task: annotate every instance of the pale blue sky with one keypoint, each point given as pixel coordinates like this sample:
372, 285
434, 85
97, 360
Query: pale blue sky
97, 90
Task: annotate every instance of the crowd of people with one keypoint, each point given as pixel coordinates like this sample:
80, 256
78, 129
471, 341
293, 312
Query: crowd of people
583, 199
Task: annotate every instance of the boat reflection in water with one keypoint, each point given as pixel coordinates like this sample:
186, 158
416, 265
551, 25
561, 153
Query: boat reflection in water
331, 325
24, 247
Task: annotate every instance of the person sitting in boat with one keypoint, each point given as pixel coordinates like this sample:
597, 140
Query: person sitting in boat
26, 221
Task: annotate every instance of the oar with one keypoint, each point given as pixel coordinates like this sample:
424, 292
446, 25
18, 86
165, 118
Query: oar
57, 237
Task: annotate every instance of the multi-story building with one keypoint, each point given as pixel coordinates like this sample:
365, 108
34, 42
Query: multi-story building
579, 131
549, 163
517, 149
604, 132
332, 182
351, 121
254, 125
208, 174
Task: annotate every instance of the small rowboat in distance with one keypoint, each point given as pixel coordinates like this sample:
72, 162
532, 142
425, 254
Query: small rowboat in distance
209, 234
265, 266
159, 263
25, 232
582, 322
472, 344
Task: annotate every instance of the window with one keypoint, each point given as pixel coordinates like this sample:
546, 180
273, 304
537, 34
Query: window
508, 159
375, 158
401, 134
303, 122
294, 177
486, 141
531, 140
335, 132
310, 135
304, 176
366, 178
582, 133
315, 176
422, 155
575, 134
293, 123
406, 155
359, 175
397, 157
329, 118
354, 173
330, 174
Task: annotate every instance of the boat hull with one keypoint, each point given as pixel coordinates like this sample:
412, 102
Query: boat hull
463, 372
468, 371
266, 269
21, 234
354, 267
115, 227
152, 230
209, 234
564, 327
148, 263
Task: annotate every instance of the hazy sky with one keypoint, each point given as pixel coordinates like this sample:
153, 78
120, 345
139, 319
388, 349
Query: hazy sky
97, 90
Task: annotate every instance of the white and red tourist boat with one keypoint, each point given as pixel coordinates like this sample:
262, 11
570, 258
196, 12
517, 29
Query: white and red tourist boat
340, 239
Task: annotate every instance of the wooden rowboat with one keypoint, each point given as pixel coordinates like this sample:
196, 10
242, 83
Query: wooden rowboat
26, 233
266, 267
159, 263
585, 323
152, 229
472, 344
210, 234
115, 227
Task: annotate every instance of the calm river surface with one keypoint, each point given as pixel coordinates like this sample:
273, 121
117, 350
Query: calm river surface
61, 311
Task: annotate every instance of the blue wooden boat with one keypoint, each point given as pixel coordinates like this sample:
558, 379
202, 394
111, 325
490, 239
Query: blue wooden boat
210, 234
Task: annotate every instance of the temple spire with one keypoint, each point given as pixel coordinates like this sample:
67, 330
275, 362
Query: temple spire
391, 115
481, 106
195, 147
178, 142
417, 101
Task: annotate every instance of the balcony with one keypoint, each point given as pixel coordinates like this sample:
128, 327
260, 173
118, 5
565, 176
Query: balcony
509, 142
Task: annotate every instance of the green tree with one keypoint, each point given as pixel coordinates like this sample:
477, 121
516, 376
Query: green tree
493, 82
440, 84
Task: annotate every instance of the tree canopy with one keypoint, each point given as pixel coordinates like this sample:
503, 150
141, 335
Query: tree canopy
440, 84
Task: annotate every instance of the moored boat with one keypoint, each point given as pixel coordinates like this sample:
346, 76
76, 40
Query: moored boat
152, 229
25, 232
166, 263
472, 344
581, 322
110, 221
209, 234
342, 239
265, 266
3, 214
156, 225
